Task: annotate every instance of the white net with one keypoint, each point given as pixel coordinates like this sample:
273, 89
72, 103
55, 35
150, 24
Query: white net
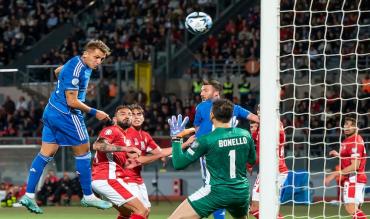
324, 70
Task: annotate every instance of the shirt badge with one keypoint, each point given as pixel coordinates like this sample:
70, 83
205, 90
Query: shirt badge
108, 132
75, 81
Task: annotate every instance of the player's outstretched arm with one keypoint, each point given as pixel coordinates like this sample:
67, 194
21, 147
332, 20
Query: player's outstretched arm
102, 145
74, 102
243, 113
151, 158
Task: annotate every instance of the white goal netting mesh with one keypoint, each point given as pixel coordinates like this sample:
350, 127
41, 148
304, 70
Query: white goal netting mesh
324, 73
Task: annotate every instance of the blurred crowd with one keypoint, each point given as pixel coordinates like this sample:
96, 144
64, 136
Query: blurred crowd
10, 193
131, 29
21, 118
54, 191
25, 22
321, 36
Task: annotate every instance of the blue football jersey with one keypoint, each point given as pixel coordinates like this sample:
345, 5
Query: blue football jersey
75, 75
203, 120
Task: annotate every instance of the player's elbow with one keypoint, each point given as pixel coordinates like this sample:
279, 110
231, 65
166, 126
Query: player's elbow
178, 165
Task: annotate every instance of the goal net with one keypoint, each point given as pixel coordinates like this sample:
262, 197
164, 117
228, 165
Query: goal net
324, 62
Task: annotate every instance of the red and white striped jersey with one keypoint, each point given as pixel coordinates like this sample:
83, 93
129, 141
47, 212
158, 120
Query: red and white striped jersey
110, 165
353, 148
144, 142
282, 165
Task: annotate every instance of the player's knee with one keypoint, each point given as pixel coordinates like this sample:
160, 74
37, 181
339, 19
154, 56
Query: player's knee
254, 206
350, 208
142, 211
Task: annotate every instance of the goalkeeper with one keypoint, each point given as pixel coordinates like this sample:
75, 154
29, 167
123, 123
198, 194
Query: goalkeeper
211, 91
227, 150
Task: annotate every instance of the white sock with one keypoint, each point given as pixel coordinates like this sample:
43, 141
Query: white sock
90, 197
30, 195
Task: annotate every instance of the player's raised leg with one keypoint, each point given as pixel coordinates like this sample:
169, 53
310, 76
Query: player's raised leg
37, 167
83, 167
117, 191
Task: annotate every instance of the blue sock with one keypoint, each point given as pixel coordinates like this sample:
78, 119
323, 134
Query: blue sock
83, 168
219, 214
37, 167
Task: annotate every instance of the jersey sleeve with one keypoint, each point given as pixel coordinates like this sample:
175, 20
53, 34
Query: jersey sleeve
252, 156
181, 159
198, 116
151, 143
107, 134
71, 74
240, 112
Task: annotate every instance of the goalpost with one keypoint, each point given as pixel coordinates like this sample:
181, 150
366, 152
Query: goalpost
318, 51
269, 107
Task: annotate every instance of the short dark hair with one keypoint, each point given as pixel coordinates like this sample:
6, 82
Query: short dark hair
136, 106
121, 107
222, 110
215, 84
351, 119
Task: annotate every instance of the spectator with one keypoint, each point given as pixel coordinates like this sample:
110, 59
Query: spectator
22, 104
366, 85
48, 188
228, 89
9, 105
63, 188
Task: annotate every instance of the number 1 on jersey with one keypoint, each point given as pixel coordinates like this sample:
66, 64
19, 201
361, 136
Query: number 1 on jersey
232, 164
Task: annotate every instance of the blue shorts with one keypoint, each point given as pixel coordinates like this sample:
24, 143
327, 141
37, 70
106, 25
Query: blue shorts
62, 128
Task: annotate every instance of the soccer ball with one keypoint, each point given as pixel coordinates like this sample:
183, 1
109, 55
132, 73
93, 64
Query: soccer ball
198, 23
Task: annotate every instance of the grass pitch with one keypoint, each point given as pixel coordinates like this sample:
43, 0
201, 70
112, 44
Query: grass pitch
163, 210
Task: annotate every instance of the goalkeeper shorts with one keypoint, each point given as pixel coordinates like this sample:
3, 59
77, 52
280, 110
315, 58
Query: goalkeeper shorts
207, 200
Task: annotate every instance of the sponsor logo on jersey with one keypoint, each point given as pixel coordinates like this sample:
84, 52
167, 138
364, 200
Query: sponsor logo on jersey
232, 142
108, 132
142, 145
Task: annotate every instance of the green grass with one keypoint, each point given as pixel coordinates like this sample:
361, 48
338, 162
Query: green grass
161, 211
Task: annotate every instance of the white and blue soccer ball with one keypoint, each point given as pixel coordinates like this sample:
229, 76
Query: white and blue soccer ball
198, 23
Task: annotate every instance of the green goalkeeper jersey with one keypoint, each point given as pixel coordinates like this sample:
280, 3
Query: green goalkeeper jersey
226, 151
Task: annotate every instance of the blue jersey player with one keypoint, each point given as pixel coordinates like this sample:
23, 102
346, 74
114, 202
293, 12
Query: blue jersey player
211, 91
64, 124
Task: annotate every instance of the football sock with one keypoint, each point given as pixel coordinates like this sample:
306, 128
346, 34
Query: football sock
255, 213
359, 215
35, 172
219, 214
136, 216
280, 216
83, 169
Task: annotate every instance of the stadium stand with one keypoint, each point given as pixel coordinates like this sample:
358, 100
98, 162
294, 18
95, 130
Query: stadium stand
23, 23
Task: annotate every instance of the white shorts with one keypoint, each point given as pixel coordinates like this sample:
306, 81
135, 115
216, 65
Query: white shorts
139, 191
115, 190
353, 192
256, 186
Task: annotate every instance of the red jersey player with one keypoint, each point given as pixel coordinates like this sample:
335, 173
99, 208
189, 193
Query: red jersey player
352, 175
109, 163
144, 142
283, 169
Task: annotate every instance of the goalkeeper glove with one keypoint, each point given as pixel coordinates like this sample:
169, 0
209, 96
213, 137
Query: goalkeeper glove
177, 125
